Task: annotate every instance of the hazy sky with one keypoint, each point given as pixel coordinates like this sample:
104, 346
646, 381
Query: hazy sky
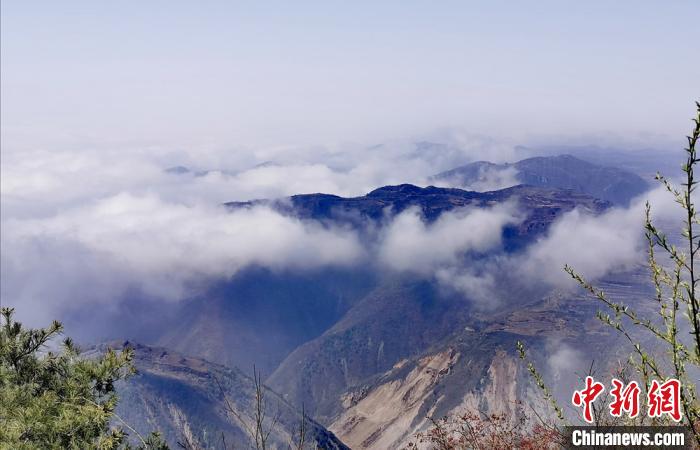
187, 74
98, 98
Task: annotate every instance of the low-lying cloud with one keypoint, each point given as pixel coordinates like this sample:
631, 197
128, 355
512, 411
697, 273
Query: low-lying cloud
461, 250
97, 253
456, 250
489, 178
411, 244
594, 245
94, 227
42, 182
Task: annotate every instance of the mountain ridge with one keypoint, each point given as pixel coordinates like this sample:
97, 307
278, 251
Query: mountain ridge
189, 398
542, 205
565, 171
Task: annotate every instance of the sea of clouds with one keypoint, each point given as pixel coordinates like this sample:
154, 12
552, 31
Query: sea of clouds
91, 226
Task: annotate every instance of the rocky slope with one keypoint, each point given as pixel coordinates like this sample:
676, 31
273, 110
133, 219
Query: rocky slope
192, 400
371, 354
476, 368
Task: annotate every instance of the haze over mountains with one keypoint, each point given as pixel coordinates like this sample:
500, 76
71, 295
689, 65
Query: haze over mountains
558, 172
289, 305
371, 307
369, 203
426, 325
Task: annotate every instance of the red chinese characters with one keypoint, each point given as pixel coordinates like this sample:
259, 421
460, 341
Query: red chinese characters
624, 398
662, 398
587, 396
665, 399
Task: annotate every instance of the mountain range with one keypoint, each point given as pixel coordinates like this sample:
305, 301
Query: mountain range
371, 353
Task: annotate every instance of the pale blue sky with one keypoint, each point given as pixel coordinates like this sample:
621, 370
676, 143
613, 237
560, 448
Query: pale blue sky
259, 73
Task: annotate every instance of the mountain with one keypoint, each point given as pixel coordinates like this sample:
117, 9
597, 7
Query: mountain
645, 162
371, 353
558, 172
542, 206
261, 316
191, 399
403, 356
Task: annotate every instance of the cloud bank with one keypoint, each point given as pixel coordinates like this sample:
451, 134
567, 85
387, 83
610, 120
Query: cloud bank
410, 244
99, 226
96, 225
595, 245
489, 179
101, 252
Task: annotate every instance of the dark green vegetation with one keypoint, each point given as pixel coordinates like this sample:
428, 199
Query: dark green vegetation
67, 399
57, 399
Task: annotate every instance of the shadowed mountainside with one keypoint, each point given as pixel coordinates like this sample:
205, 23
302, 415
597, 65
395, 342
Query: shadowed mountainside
371, 353
260, 316
183, 397
375, 395
541, 206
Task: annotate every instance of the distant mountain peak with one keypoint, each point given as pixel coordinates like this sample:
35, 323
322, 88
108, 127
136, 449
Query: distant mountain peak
177, 170
397, 189
564, 171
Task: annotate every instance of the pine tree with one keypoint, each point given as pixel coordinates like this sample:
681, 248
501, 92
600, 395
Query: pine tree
60, 400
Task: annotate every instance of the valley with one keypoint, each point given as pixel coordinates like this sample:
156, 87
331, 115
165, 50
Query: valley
372, 353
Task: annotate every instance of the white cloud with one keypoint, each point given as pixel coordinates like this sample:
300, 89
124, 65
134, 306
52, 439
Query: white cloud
494, 179
476, 284
563, 360
489, 179
91, 225
457, 250
411, 244
594, 245
61, 175
98, 252
448, 250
